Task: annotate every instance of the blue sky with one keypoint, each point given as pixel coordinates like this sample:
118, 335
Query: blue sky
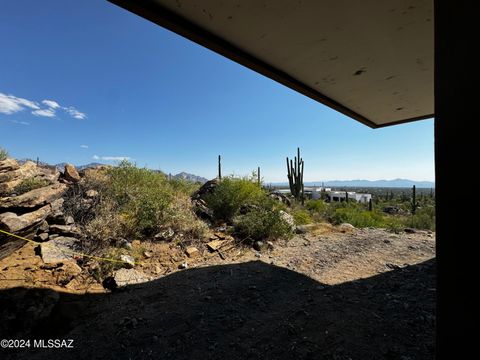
117, 86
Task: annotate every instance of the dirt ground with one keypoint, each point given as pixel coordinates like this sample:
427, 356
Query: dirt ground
326, 294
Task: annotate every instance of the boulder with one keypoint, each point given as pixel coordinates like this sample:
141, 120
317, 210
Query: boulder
124, 277
260, 245
42, 237
129, 261
71, 174
216, 244
346, 227
67, 230
280, 197
58, 250
34, 198
11, 222
201, 210
286, 217
192, 252
207, 188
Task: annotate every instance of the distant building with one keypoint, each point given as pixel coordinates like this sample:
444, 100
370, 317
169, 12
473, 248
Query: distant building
342, 195
316, 192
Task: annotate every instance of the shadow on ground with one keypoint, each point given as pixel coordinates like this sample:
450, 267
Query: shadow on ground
242, 311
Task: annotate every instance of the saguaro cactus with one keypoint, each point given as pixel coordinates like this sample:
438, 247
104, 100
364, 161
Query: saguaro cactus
219, 167
295, 176
258, 177
414, 203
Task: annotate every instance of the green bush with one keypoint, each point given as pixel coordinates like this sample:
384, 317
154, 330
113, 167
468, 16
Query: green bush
358, 218
263, 222
231, 194
424, 219
138, 202
3, 154
301, 217
30, 184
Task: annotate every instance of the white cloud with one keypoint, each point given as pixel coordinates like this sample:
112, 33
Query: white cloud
75, 113
51, 104
111, 158
19, 122
84, 146
44, 112
10, 104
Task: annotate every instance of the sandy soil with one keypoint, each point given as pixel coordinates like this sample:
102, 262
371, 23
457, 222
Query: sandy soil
327, 294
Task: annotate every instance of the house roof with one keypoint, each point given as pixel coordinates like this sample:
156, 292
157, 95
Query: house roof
371, 60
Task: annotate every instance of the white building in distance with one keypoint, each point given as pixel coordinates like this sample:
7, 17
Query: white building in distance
342, 195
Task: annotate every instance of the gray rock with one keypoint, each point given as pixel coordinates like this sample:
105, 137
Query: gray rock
58, 250
124, 243
259, 245
69, 220
288, 219
42, 237
166, 234
124, 277
129, 261
43, 227
410, 230
346, 227
67, 230
301, 229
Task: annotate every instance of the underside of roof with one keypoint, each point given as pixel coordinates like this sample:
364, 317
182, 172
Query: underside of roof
371, 60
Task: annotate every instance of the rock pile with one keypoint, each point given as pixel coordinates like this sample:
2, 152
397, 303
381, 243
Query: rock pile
36, 213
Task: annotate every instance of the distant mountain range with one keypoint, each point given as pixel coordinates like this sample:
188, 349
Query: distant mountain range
61, 166
183, 175
400, 183
190, 177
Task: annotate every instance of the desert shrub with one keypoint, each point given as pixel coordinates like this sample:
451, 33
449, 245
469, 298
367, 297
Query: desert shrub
138, 202
30, 184
317, 206
184, 186
262, 222
3, 154
357, 217
395, 224
231, 194
301, 217
424, 219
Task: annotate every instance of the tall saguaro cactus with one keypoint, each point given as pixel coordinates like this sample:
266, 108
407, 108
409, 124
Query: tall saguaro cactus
219, 167
295, 176
414, 202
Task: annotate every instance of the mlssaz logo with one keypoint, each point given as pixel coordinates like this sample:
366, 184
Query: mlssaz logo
53, 343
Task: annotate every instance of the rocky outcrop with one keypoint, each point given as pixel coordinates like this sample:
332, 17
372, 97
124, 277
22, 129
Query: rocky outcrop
207, 188
13, 223
36, 214
34, 198
12, 174
71, 173
198, 199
